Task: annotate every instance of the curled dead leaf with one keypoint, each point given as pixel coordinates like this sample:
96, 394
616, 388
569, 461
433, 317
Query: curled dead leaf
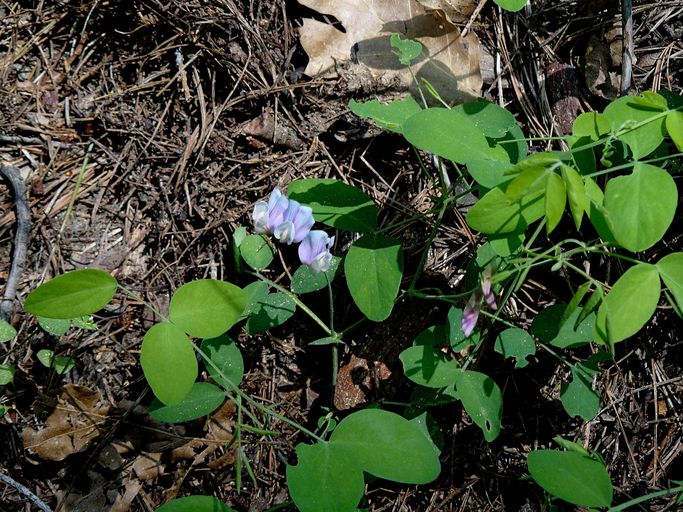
454, 10
448, 62
75, 422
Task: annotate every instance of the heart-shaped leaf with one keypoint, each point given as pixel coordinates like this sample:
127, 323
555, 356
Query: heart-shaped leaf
482, 399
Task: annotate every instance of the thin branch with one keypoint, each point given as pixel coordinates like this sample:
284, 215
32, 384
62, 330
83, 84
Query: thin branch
627, 45
24, 490
23, 216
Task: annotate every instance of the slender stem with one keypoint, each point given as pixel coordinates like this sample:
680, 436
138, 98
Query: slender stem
138, 298
335, 348
423, 256
298, 302
244, 396
641, 499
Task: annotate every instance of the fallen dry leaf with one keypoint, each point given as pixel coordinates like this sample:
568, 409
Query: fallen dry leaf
72, 426
356, 379
449, 62
455, 10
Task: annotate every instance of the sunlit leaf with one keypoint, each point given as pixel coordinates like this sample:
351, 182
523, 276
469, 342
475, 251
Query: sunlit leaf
76, 293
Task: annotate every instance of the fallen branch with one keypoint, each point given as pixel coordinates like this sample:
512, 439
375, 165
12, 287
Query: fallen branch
23, 489
23, 216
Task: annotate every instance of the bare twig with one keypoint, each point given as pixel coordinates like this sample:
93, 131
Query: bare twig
23, 489
627, 43
23, 216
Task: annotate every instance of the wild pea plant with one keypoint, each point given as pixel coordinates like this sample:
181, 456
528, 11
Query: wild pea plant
613, 181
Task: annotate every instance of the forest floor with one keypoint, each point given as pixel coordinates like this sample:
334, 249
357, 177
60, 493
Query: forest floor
145, 131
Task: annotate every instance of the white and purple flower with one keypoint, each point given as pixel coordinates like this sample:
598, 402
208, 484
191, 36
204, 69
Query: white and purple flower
314, 251
286, 219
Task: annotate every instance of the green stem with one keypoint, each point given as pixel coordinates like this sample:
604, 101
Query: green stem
138, 298
335, 349
647, 497
298, 302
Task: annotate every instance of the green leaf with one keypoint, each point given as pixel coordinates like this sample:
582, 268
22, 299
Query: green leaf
373, 268
670, 268
272, 310
305, 281
629, 305
555, 201
195, 504
596, 211
76, 293
455, 336
54, 326
326, 477
489, 173
511, 5
84, 322
256, 251
60, 364
168, 362
549, 327
389, 116
206, 308
7, 332
492, 120
576, 300
202, 400
625, 113
583, 153
496, 213
381, 442
572, 477
528, 191
674, 125
408, 50
7, 372
576, 192
641, 206
591, 124
224, 354
483, 401
514, 143
427, 366
448, 134
517, 343
256, 292
578, 396
336, 204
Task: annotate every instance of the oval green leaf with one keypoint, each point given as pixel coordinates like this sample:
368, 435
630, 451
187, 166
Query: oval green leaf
511, 5
492, 120
168, 362
629, 305
305, 281
202, 400
572, 477
625, 113
576, 192
76, 293
670, 268
674, 125
7, 332
641, 206
373, 268
447, 133
427, 366
60, 364
270, 311
381, 442
224, 361
550, 327
336, 204
555, 201
7, 372
578, 396
389, 116
206, 308
195, 504
495, 213
482, 399
326, 477
256, 251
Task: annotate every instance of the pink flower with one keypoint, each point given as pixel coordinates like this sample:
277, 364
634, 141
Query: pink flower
286, 219
471, 313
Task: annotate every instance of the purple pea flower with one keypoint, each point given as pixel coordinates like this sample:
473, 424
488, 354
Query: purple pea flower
296, 223
471, 313
268, 215
314, 251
